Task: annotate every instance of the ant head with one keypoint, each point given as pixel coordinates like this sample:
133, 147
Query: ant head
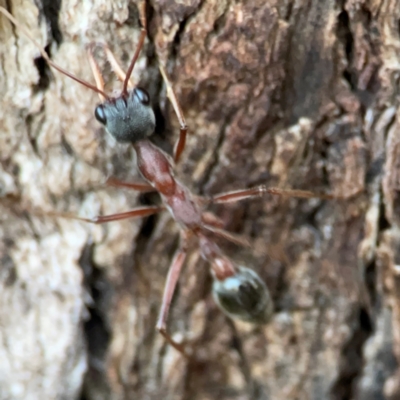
129, 117
244, 296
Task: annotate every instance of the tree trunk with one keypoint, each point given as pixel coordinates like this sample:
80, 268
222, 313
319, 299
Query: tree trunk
294, 94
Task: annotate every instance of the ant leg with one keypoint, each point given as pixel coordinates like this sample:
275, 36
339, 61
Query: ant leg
101, 219
181, 142
222, 233
259, 191
172, 279
209, 218
305, 194
139, 186
215, 225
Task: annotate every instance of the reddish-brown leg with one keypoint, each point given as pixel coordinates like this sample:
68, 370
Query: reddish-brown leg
139, 186
222, 233
169, 289
210, 219
101, 219
181, 142
259, 191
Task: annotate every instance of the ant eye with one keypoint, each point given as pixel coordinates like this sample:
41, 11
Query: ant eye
142, 96
100, 115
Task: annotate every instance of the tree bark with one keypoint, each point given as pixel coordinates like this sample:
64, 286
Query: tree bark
295, 94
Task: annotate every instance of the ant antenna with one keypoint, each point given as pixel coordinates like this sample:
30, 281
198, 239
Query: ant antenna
47, 58
143, 32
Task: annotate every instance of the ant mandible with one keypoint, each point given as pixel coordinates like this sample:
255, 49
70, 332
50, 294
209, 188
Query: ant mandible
129, 118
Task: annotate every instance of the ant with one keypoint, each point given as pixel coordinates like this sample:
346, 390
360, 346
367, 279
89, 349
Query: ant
129, 118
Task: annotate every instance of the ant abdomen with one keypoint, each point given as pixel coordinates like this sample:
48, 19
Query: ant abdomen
128, 118
244, 296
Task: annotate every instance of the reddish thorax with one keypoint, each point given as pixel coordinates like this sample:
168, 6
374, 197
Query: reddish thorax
156, 168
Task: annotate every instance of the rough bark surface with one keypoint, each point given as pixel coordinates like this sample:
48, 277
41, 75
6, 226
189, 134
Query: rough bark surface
298, 94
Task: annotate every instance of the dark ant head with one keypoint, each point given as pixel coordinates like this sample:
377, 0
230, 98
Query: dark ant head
128, 118
244, 296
